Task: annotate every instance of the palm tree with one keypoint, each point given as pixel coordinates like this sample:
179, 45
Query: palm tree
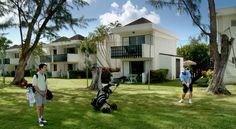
102, 36
115, 24
88, 47
95, 43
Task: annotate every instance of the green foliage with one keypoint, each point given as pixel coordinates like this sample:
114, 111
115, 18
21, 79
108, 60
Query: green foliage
73, 74
191, 7
32, 72
197, 52
38, 51
4, 43
12, 74
158, 75
27, 73
88, 45
49, 74
202, 82
83, 74
41, 19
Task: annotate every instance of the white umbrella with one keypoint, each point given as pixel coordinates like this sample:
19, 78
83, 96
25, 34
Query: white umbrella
189, 62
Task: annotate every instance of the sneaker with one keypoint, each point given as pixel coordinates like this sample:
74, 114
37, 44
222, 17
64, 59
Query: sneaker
41, 124
181, 101
44, 121
190, 101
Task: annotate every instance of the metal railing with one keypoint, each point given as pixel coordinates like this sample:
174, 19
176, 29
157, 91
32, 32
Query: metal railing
131, 51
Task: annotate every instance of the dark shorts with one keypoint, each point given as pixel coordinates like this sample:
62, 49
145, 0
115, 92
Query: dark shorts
185, 88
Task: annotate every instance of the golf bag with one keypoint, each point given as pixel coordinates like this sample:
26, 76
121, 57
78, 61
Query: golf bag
49, 94
102, 99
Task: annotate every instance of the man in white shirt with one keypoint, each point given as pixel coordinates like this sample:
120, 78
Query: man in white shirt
40, 85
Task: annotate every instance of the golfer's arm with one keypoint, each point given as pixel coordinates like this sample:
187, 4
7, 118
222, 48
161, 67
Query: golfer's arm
46, 89
37, 89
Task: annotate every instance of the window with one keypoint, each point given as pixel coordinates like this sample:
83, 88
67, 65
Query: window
234, 60
54, 51
16, 55
71, 67
137, 40
233, 22
71, 50
54, 67
136, 67
125, 41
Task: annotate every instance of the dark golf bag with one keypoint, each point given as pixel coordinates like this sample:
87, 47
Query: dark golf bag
101, 99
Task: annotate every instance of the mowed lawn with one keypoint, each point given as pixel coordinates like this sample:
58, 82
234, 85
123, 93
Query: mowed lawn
138, 108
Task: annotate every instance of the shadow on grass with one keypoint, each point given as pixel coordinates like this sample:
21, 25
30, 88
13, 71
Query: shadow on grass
70, 108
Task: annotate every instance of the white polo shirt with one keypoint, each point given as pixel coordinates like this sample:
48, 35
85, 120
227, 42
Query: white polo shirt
41, 81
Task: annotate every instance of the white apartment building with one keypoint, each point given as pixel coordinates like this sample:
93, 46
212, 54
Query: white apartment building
141, 46
64, 55
12, 60
226, 23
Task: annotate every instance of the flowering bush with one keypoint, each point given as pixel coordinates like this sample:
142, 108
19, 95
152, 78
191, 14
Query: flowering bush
209, 73
204, 73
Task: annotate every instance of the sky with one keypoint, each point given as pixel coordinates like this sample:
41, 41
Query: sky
126, 11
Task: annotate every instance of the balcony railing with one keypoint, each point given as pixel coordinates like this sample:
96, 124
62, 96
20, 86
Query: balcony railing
60, 58
131, 51
46, 59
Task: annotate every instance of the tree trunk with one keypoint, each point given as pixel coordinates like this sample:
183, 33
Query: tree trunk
96, 78
216, 85
19, 74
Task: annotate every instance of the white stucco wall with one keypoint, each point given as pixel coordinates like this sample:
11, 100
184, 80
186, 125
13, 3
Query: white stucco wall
224, 18
166, 63
126, 68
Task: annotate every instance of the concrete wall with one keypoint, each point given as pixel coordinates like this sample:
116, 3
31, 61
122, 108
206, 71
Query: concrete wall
224, 27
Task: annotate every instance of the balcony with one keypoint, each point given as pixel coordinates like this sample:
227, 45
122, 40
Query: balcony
132, 51
60, 58
46, 59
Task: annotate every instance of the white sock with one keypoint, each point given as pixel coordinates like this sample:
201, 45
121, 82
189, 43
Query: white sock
39, 119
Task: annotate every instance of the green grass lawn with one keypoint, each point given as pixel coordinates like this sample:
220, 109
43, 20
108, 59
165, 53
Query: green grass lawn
138, 108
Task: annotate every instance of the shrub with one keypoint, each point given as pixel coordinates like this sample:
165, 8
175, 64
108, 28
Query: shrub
12, 74
158, 75
49, 74
27, 73
204, 73
73, 74
209, 73
202, 82
82, 74
32, 72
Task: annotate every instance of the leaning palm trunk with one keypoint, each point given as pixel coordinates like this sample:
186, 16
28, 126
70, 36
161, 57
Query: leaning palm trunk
216, 84
96, 78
